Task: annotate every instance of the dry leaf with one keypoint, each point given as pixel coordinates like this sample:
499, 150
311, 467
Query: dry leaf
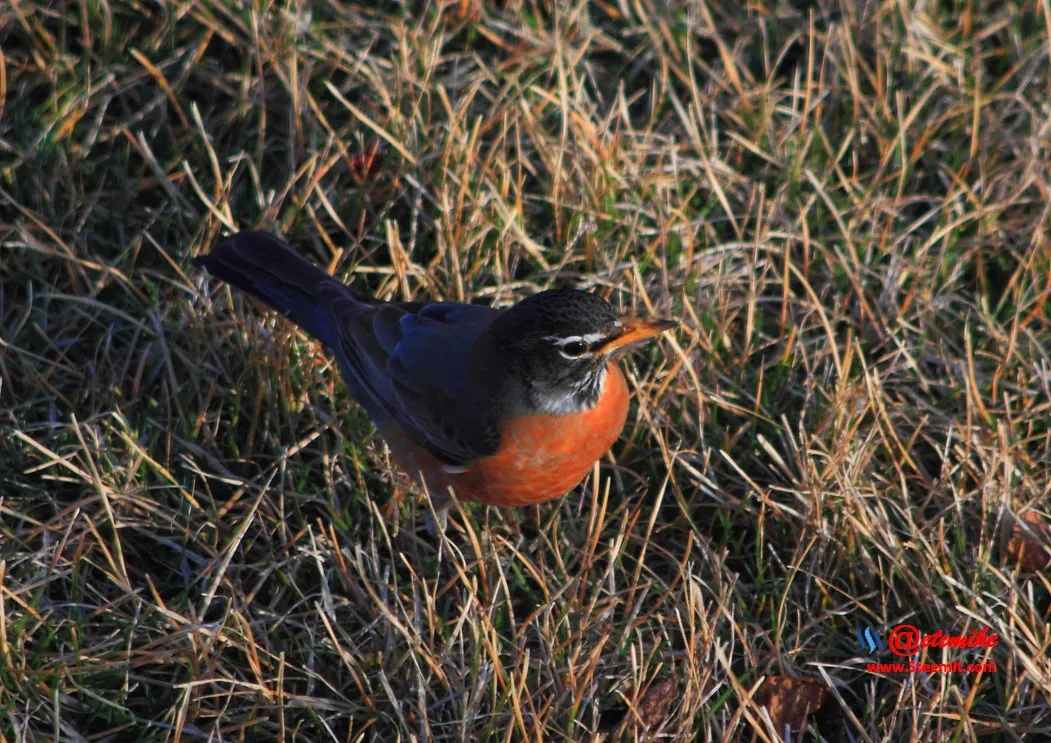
657, 702
1029, 543
651, 710
790, 700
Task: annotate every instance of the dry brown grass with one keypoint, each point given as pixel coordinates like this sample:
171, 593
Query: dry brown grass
847, 204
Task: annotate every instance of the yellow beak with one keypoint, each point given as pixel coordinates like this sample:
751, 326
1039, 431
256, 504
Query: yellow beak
635, 330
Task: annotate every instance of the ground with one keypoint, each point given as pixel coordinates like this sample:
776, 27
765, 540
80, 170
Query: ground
847, 206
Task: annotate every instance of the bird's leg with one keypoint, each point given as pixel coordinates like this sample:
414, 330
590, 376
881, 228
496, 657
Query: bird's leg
438, 513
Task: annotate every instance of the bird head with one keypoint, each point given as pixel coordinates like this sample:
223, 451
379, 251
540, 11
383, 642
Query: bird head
560, 342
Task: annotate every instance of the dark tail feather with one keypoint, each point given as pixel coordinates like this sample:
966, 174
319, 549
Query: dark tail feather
264, 267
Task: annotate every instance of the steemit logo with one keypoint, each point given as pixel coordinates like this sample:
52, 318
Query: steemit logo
906, 640
869, 639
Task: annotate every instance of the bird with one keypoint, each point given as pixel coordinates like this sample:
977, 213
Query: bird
507, 407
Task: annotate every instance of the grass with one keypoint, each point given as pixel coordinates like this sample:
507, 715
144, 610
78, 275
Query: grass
845, 203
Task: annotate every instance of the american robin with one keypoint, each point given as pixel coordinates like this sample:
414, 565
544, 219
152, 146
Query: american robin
505, 407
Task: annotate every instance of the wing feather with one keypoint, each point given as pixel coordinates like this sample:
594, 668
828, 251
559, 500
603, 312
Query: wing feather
409, 363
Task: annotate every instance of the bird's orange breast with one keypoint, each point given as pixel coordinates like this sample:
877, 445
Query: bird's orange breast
541, 457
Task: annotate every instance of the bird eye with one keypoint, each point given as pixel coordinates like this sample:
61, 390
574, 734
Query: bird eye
574, 348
